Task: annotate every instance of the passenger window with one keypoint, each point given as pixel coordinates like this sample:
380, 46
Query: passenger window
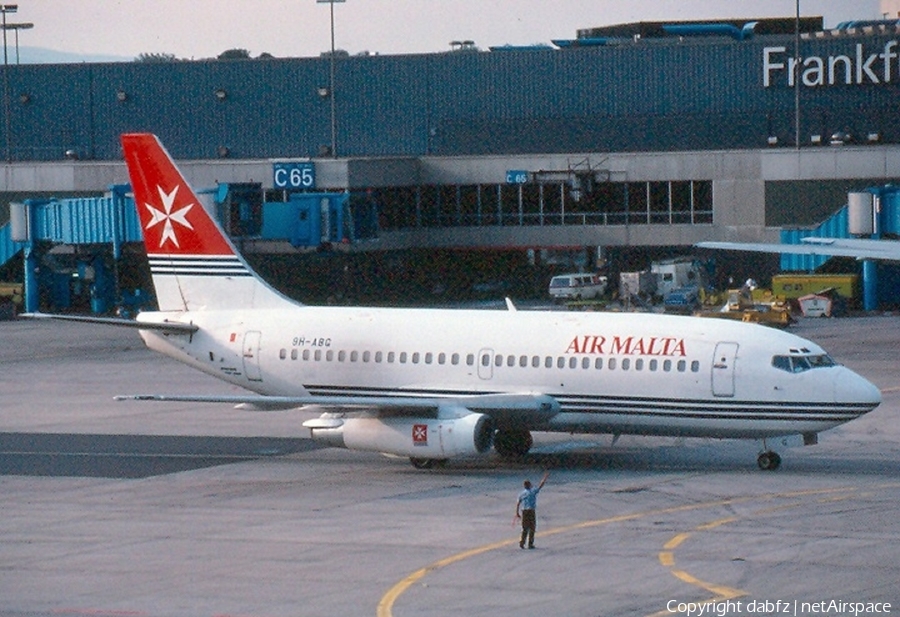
695, 366
354, 356
548, 362
573, 362
667, 365
523, 361
454, 359
639, 364
293, 354
379, 356
611, 364
306, 354
282, 354
560, 362
367, 355
585, 362
498, 360
391, 357
318, 355
486, 359
626, 363
535, 361
415, 357
329, 355
442, 358
598, 363
510, 360
429, 357
470, 360
402, 357
681, 366
342, 355
654, 364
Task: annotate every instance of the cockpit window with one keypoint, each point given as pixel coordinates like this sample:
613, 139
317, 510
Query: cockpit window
801, 363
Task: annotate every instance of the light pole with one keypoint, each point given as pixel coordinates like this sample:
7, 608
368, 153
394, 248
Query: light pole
797, 76
4, 9
331, 84
15, 28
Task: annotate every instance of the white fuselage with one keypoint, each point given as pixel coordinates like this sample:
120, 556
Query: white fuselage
611, 372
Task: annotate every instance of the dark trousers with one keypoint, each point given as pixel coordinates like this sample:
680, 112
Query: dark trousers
529, 524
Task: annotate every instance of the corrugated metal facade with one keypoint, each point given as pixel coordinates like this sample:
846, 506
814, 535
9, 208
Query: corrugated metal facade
642, 96
94, 220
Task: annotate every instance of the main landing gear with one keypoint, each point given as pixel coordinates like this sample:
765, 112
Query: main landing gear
767, 459
427, 463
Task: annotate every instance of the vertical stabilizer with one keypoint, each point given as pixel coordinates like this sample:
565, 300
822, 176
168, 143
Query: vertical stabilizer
194, 264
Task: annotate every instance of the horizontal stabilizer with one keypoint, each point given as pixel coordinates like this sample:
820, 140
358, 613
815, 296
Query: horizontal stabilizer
164, 326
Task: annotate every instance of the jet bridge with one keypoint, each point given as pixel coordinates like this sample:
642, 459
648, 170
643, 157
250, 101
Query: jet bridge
301, 221
871, 213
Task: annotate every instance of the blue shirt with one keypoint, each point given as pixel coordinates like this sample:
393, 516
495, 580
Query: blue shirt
528, 498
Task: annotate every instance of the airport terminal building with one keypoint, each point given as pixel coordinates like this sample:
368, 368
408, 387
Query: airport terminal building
638, 135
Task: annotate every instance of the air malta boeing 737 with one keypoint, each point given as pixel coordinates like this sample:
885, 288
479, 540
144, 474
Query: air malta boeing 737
433, 384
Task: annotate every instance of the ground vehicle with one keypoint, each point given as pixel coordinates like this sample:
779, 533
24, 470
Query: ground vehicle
577, 286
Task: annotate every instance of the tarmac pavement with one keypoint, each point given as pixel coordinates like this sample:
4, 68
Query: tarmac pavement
167, 509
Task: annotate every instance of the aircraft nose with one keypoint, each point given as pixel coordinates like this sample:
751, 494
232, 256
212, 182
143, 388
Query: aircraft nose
852, 388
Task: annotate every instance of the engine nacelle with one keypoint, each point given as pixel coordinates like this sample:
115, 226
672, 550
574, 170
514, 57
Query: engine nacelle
425, 438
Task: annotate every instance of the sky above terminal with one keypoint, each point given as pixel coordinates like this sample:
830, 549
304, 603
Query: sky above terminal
195, 29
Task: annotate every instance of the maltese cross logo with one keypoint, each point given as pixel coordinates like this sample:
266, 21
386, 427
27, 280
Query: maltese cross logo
166, 216
420, 434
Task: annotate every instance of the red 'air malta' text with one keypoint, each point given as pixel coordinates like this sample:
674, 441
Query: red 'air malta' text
627, 345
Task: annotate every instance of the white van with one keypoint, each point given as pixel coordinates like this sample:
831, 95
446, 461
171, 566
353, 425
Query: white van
577, 286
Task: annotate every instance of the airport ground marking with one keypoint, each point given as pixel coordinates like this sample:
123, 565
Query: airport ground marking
386, 604
722, 593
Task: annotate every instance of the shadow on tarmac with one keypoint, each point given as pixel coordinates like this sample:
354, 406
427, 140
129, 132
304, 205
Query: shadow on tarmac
131, 456
142, 456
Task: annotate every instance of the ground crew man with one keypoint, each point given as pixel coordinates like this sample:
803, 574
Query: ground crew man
526, 508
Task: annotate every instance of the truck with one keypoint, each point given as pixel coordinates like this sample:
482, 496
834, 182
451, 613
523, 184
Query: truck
676, 273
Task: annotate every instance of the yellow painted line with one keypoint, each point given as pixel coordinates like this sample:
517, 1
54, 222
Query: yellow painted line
774, 509
386, 604
722, 592
676, 541
667, 559
714, 524
835, 498
387, 601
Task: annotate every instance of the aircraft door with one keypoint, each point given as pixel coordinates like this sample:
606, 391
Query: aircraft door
251, 356
486, 363
723, 369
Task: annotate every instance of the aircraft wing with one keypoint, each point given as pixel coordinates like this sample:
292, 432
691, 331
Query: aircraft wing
887, 250
526, 409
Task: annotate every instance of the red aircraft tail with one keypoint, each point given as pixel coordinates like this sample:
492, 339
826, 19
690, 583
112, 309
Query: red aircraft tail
194, 264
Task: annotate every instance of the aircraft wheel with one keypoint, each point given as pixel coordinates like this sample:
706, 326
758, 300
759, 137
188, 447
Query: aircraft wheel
427, 463
512, 444
769, 461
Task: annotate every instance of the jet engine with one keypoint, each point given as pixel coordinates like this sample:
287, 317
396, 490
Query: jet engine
418, 438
